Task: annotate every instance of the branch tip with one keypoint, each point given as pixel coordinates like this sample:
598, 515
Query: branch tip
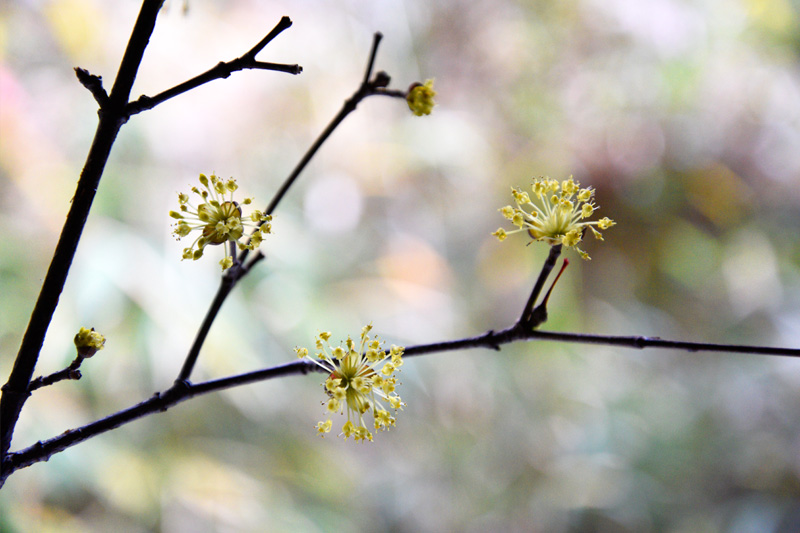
282, 24
94, 84
376, 40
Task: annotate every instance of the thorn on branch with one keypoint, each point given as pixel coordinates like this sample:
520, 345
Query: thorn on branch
490, 340
94, 84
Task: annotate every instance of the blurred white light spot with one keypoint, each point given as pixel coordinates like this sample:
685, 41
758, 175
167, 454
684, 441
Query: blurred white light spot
333, 204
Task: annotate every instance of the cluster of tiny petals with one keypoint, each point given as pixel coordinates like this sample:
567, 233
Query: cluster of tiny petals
218, 219
557, 216
362, 379
420, 98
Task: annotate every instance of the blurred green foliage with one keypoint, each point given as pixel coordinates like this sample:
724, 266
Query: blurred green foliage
685, 115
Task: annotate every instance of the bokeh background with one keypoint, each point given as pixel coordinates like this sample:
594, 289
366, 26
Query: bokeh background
684, 114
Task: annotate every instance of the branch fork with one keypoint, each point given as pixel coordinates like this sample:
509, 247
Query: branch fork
115, 110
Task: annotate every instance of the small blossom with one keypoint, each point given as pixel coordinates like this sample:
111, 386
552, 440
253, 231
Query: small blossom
88, 342
361, 378
420, 98
219, 219
324, 427
556, 216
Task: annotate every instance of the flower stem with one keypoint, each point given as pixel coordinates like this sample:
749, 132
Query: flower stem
527, 313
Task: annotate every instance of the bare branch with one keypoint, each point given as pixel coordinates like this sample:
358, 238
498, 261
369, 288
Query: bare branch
221, 70
641, 342
15, 391
70, 372
283, 24
94, 84
184, 390
369, 86
240, 268
226, 286
527, 318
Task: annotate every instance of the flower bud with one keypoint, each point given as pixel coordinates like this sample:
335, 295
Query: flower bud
88, 342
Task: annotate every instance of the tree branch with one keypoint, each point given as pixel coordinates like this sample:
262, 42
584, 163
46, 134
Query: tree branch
94, 84
522, 330
225, 287
527, 317
111, 119
221, 70
71, 372
184, 390
370, 86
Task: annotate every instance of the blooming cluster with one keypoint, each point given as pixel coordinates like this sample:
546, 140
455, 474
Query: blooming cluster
88, 342
218, 218
361, 377
558, 216
420, 98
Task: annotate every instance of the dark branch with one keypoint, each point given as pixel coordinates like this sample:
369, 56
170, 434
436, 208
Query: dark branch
641, 342
527, 318
221, 70
225, 288
283, 24
367, 88
71, 372
159, 402
94, 84
15, 391
376, 40
184, 390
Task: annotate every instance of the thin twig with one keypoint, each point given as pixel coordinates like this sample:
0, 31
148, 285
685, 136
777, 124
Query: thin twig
641, 342
94, 84
369, 86
221, 70
225, 287
526, 318
376, 40
70, 372
363, 91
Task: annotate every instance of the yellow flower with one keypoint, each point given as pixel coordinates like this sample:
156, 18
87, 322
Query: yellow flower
556, 216
420, 98
360, 378
324, 427
218, 218
88, 342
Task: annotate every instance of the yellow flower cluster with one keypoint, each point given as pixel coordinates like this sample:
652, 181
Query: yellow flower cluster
89, 342
420, 98
558, 216
361, 377
218, 218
